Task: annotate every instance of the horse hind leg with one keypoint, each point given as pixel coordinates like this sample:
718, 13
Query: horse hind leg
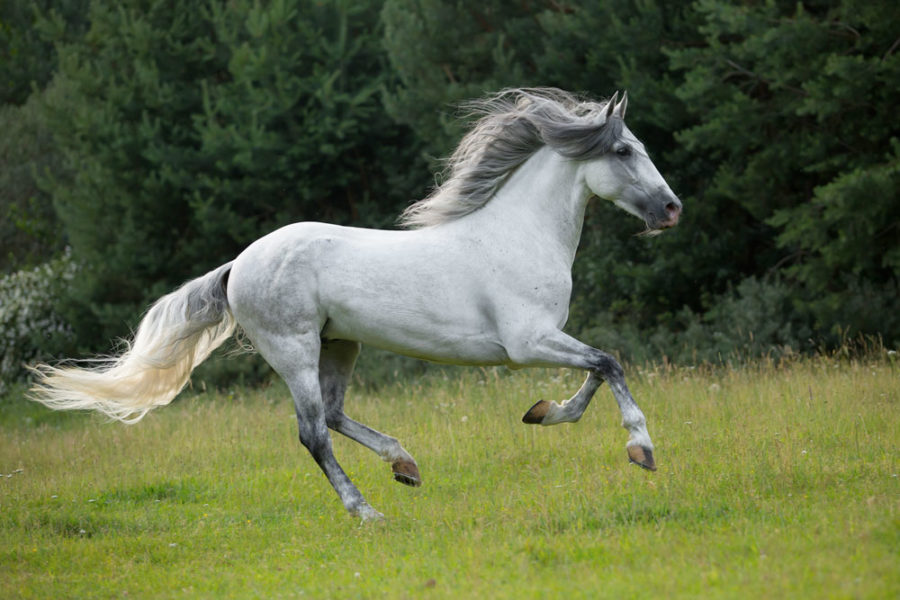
296, 360
335, 368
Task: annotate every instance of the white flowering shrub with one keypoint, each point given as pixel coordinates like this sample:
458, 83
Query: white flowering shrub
30, 327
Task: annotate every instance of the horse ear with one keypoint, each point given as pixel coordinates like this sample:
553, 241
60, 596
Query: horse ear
611, 105
621, 106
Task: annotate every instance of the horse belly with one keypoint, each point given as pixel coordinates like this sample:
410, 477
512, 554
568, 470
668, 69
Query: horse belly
424, 313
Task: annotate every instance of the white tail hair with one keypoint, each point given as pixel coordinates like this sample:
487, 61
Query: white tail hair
178, 333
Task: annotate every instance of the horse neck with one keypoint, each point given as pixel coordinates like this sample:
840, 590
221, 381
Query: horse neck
540, 206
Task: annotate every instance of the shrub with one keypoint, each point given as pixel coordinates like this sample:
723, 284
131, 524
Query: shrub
31, 327
753, 319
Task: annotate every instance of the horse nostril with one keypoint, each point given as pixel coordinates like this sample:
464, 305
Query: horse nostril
673, 209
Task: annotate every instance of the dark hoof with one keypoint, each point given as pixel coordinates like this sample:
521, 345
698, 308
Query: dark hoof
536, 414
642, 457
407, 473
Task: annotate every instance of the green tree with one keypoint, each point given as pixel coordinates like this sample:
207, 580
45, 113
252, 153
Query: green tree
30, 233
797, 103
27, 57
191, 130
444, 53
771, 120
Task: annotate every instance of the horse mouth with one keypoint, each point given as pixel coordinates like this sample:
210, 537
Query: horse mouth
666, 218
668, 223
659, 211
657, 227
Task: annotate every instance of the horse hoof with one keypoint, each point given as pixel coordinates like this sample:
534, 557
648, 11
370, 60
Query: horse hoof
642, 457
536, 414
406, 472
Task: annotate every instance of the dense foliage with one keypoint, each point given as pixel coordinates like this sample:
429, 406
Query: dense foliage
798, 105
157, 139
189, 133
30, 327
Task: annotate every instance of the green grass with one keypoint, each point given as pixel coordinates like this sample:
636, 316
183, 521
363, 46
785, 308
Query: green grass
773, 482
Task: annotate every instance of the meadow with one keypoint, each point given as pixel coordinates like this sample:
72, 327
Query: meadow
774, 481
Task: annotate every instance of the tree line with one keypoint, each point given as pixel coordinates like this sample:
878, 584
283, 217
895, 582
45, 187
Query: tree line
147, 141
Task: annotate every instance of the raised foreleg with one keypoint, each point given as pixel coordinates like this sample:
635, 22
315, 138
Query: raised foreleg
558, 349
335, 368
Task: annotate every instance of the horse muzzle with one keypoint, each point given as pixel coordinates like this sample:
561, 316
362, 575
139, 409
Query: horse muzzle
664, 211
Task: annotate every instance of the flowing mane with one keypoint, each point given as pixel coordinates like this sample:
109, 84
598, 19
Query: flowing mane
515, 124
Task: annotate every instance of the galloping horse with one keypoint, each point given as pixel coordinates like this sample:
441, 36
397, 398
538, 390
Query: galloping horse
480, 276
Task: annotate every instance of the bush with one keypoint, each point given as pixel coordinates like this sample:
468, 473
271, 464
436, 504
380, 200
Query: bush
31, 327
753, 319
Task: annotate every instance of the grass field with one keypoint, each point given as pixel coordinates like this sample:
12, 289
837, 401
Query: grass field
773, 482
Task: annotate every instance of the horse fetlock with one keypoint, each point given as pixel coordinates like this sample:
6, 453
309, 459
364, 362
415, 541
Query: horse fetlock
637, 428
635, 422
366, 513
552, 413
392, 451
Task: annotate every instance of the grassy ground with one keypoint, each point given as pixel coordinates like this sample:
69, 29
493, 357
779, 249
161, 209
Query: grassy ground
775, 482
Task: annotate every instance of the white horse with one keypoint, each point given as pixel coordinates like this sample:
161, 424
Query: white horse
481, 277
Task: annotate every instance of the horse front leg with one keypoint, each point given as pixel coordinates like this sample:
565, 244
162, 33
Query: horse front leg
569, 411
559, 349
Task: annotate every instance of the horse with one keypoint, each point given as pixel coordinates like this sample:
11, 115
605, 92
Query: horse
479, 275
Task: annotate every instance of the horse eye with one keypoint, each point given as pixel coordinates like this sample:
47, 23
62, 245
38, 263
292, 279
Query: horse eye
624, 151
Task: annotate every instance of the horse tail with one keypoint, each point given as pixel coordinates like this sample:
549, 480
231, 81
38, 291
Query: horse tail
178, 333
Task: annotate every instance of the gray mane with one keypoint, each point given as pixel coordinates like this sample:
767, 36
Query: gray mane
514, 125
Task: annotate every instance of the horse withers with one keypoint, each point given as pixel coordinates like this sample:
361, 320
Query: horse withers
480, 276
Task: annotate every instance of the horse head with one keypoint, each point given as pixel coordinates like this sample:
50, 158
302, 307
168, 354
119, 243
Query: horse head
625, 175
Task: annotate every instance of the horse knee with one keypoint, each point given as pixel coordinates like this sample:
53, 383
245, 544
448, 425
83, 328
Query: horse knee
607, 367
